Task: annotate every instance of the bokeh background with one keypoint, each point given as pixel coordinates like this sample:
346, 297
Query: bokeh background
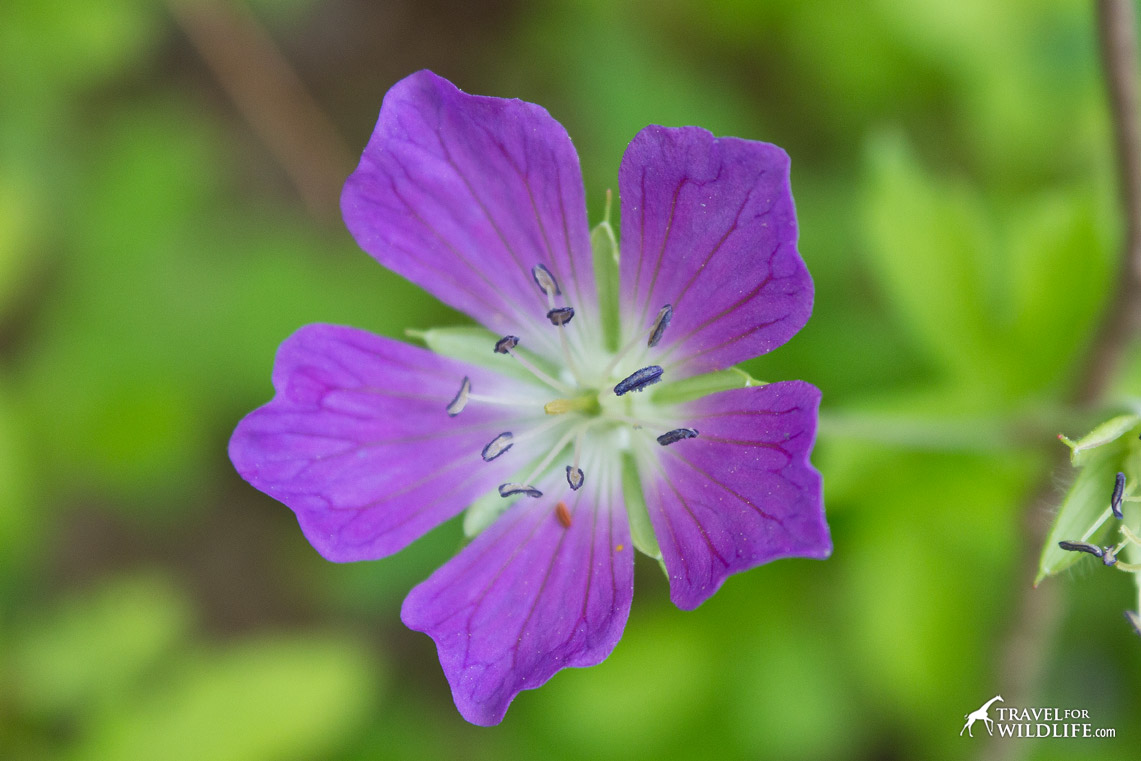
169, 178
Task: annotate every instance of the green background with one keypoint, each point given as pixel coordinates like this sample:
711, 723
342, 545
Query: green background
168, 218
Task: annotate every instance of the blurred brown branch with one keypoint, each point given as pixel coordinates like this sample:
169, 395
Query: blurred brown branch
1117, 34
271, 97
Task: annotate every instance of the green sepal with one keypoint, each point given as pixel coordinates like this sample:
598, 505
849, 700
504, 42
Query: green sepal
1109, 431
476, 345
688, 389
641, 530
1084, 505
604, 249
483, 512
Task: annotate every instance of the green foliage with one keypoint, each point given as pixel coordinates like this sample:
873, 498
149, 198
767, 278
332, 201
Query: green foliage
120, 665
997, 308
953, 179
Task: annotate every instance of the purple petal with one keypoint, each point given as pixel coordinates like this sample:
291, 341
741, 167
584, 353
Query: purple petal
527, 598
708, 225
464, 194
357, 440
743, 492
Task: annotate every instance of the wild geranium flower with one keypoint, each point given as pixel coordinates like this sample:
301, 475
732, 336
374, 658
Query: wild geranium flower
595, 412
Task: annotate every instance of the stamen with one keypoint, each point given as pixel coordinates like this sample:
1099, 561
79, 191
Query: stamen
563, 514
559, 446
498, 446
577, 449
502, 401
676, 435
661, 322
638, 380
456, 406
545, 280
1110, 556
1118, 492
1092, 549
575, 477
1134, 621
560, 315
506, 344
511, 489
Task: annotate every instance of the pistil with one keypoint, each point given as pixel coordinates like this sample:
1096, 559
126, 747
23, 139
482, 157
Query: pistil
586, 403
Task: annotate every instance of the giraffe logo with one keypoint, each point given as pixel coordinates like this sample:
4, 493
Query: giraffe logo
978, 715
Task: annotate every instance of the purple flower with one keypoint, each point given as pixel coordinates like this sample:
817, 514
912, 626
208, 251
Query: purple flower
587, 420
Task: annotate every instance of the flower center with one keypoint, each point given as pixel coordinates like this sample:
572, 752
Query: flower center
595, 409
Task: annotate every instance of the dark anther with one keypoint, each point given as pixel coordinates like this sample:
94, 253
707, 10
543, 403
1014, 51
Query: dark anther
676, 435
456, 406
560, 315
575, 477
661, 322
506, 344
498, 446
638, 380
1118, 492
1092, 549
508, 490
1134, 621
1109, 556
545, 280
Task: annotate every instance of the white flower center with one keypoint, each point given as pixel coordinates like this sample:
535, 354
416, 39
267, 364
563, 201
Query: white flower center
596, 411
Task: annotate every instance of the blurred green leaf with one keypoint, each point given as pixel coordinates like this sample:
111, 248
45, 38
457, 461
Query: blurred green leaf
20, 521
71, 42
267, 698
1059, 279
928, 246
97, 646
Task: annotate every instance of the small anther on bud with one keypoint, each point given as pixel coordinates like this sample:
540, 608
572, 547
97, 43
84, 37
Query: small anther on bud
511, 489
506, 344
560, 315
1134, 621
575, 477
676, 435
1092, 549
638, 380
498, 446
456, 406
661, 322
545, 280
1118, 492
